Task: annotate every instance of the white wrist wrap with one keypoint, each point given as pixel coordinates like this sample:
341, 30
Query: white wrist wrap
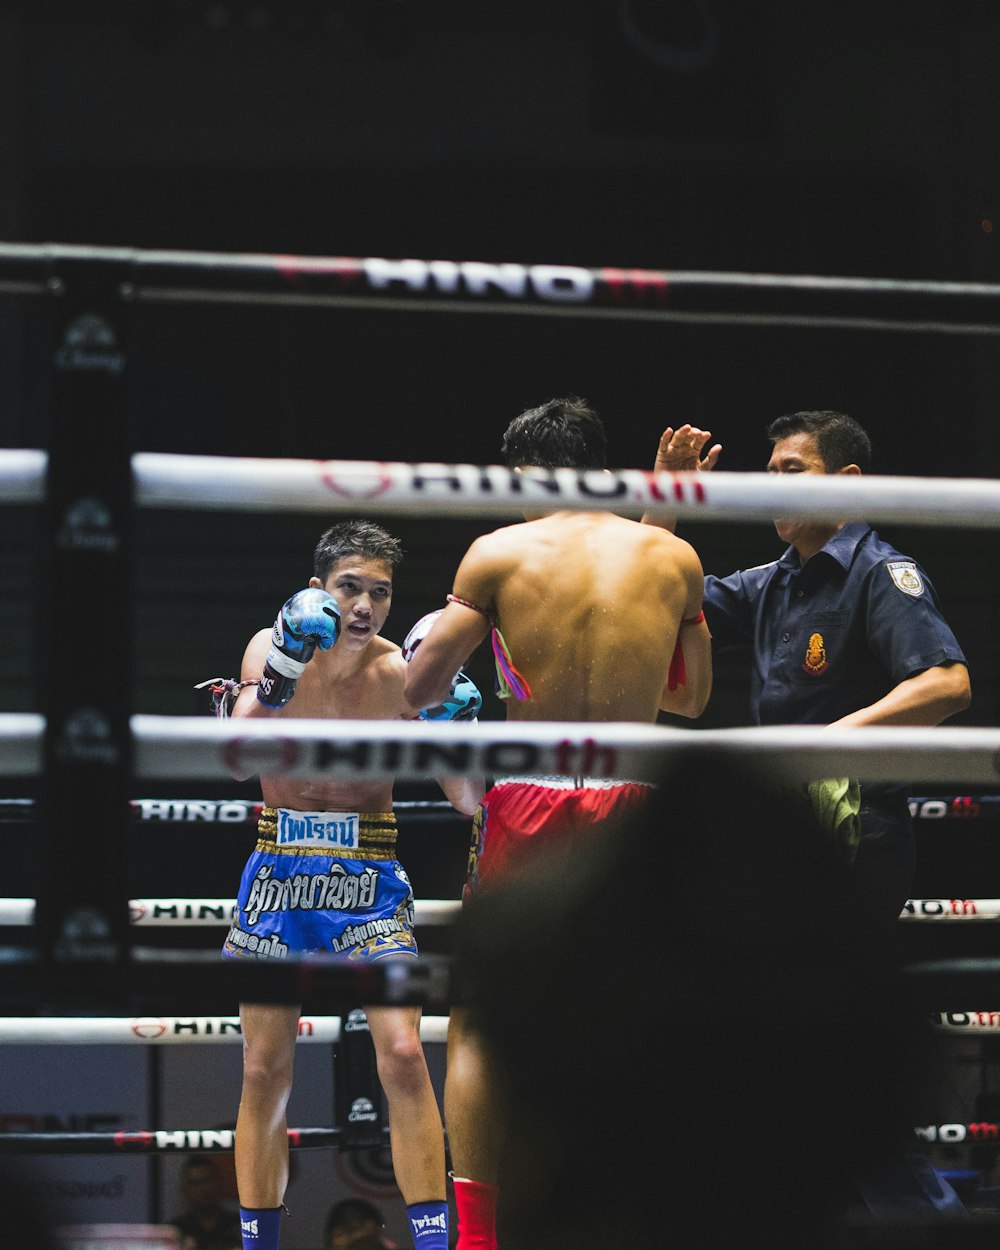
284, 664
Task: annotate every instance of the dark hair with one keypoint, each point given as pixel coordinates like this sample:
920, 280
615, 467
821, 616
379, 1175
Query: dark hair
354, 538
562, 434
840, 441
350, 1214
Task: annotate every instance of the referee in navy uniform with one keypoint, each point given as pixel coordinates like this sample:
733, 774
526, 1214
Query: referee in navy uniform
844, 629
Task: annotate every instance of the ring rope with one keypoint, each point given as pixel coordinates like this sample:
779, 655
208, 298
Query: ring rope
218, 912
172, 747
160, 811
185, 481
206, 1141
168, 811
224, 1030
205, 912
22, 476
410, 284
171, 1030
165, 480
155, 1141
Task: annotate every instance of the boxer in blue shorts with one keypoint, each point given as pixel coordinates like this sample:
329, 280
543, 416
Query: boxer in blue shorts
323, 876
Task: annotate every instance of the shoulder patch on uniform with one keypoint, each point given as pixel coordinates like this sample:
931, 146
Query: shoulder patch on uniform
904, 573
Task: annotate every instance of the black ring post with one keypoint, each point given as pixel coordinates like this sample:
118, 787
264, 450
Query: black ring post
357, 1091
84, 658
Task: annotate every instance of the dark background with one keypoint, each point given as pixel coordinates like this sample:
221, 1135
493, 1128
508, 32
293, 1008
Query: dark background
855, 140
773, 137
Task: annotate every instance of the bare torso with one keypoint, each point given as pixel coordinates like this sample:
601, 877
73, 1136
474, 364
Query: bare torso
365, 686
590, 605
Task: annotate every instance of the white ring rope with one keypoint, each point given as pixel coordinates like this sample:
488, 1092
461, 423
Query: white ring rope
223, 1030
176, 747
170, 1030
176, 913
22, 476
21, 734
232, 812
461, 490
951, 909
206, 912
433, 489
967, 1021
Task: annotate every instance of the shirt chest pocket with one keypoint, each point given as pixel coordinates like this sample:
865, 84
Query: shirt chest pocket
812, 648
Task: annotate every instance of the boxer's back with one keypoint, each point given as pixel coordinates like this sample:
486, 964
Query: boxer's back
590, 605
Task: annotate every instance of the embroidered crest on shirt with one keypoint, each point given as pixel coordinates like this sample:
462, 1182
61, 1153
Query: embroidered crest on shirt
904, 574
815, 661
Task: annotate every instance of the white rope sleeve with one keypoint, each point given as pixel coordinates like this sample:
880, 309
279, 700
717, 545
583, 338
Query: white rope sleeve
250, 484
179, 481
22, 476
207, 912
170, 1030
175, 747
190, 747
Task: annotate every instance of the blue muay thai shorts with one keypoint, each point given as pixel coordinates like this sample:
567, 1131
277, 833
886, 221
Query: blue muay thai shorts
323, 882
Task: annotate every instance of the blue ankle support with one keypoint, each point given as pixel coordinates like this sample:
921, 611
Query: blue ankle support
261, 1227
429, 1225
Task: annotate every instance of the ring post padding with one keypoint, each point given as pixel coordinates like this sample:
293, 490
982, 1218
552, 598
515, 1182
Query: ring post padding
357, 1092
85, 654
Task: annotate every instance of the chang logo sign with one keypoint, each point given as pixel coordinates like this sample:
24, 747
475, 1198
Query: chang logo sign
86, 738
362, 1112
90, 345
87, 525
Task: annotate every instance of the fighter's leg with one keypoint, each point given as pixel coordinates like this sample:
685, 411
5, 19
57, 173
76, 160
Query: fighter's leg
261, 1143
415, 1131
416, 1134
476, 1127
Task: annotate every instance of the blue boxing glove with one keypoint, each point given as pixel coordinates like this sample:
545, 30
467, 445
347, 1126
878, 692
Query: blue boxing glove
310, 619
464, 700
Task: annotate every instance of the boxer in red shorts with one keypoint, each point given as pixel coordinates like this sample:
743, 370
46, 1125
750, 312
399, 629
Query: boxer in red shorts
592, 617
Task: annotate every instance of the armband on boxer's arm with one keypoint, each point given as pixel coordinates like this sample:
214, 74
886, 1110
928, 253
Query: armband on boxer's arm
310, 619
677, 674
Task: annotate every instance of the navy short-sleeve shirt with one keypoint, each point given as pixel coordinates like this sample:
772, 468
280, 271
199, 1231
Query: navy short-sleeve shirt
834, 634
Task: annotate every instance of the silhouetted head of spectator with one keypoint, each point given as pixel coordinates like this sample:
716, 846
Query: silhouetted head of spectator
661, 993
350, 1220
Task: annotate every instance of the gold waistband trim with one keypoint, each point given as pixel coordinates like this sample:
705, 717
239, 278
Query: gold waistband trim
376, 838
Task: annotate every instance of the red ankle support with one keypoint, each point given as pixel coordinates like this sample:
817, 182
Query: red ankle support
476, 1207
